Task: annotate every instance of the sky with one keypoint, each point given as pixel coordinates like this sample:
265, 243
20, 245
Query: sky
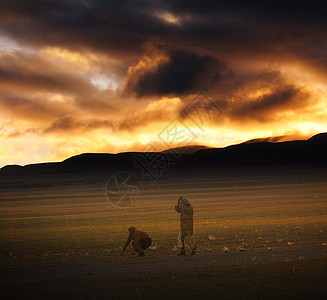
83, 76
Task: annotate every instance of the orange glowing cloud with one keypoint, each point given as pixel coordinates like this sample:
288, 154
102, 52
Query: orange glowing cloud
113, 77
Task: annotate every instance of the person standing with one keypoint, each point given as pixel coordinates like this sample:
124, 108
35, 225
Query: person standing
141, 241
185, 209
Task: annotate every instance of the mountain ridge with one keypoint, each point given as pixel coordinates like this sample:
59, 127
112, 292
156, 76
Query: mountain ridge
313, 150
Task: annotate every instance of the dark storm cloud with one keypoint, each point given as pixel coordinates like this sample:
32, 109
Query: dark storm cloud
184, 72
251, 97
264, 108
205, 34
115, 27
121, 27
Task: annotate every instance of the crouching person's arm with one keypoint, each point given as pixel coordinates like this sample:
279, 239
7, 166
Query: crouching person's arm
127, 243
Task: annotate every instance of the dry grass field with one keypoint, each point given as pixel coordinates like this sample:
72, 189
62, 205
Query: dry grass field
256, 236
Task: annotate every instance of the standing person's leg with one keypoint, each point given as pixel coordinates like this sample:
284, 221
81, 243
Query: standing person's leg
190, 240
180, 241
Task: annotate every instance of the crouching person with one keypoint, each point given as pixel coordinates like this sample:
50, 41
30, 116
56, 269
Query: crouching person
141, 241
185, 209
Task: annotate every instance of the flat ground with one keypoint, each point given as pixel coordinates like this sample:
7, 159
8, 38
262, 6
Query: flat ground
258, 237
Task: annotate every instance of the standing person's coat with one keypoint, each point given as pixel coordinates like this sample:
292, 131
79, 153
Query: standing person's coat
185, 209
186, 216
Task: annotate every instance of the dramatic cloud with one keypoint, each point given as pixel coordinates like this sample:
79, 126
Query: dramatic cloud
86, 75
182, 72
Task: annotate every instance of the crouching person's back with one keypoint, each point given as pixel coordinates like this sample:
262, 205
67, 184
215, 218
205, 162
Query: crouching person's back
141, 241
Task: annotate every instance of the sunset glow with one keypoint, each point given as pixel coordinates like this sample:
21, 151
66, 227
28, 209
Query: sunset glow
90, 81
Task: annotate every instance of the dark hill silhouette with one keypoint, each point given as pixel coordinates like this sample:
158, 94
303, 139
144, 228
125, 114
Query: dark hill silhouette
273, 139
186, 149
319, 138
312, 151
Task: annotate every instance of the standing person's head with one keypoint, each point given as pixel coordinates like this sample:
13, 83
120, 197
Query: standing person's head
186, 202
131, 229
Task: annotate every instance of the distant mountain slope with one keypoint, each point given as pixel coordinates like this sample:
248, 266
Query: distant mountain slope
186, 149
314, 150
274, 139
319, 138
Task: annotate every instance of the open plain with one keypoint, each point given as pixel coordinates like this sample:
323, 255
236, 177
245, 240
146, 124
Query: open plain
259, 236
